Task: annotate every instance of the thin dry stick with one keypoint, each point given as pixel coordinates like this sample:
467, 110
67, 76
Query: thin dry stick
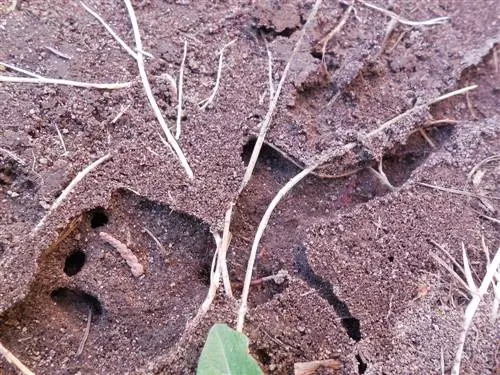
156, 240
489, 159
110, 30
123, 109
428, 139
20, 70
135, 267
205, 102
335, 31
269, 70
272, 107
65, 82
433, 21
11, 358
470, 311
258, 235
13, 156
226, 239
215, 274
380, 174
62, 140
58, 53
418, 108
147, 88
179, 92
85, 334
89, 168
459, 192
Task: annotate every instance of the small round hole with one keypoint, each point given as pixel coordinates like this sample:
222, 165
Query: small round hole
74, 263
98, 218
390, 258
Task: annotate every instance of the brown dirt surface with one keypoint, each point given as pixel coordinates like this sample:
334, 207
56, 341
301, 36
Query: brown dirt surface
364, 287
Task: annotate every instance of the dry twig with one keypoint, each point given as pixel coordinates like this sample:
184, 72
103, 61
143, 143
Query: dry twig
459, 192
65, 82
13, 156
335, 31
89, 168
85, 334
11, 358
110, 30
179, 94
404, 21
267, 120
147, 88
206, 102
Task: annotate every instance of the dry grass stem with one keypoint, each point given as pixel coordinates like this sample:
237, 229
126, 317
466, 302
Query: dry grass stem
135, 267
267, 120
497, 221
89, 168
123, 109
470, 106
380, 174
110, 30
269, 70
58, 53
179, 94
20, 70
65, 82
12, 359
12, 156
163, 251
324, 42
477, 295
258, 235
426, 137
489, 159
147, 88
85, 334
61, 139
459, 192
404, 21
222, 262
215, 274
417, 108
206, 102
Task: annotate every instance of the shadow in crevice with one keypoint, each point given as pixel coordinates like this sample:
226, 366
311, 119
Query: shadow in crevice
325, 290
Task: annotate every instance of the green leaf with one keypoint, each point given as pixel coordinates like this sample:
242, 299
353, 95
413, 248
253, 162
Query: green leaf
226, 353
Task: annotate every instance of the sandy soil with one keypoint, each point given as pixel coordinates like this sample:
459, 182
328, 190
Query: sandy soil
363, 287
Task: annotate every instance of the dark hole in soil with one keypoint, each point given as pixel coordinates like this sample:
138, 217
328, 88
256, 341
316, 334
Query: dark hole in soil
263, 356
362, 365
390, 258
74, 262
271, 33
73, 299
325, 290
269, 157
404, 159
98, 217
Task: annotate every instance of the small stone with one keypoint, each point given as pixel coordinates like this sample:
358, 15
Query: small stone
272, 367
301, 329
12, 194
43, 161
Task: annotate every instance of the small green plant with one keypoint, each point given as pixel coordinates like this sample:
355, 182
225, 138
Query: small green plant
226, 353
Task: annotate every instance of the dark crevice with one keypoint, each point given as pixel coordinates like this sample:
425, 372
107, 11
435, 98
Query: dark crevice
271, 33
325, 290
362, 365
74, 299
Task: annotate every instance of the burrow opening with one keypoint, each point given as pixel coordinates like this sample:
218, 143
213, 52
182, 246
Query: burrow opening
76, 300
74, 262
362, 365
98, 217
